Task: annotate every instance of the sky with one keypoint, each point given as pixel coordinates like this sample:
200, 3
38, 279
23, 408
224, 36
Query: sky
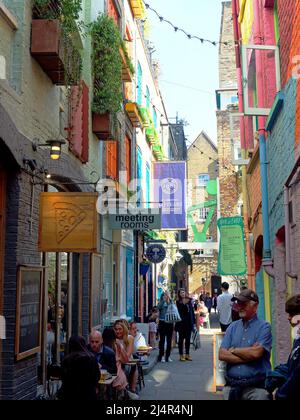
188, 63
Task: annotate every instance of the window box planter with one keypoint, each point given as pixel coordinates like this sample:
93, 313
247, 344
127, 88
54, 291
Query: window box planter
145, 117
57, 57
102, 126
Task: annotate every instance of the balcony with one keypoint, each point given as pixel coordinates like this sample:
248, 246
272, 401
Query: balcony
127, 73
152, 136
55, 54
133, 112
138, 9
158, 152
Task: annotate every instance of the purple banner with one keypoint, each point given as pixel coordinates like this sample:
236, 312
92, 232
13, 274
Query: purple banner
170, 190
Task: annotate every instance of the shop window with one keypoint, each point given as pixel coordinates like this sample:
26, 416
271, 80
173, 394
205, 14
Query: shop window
139, 177
112, 160
260, 86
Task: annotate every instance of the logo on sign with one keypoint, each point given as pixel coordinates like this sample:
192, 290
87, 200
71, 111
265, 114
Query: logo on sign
156, 253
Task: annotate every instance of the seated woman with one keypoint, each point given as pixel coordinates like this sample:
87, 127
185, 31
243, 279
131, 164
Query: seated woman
126, 342
110, 340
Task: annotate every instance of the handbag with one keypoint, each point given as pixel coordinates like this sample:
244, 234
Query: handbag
172, 314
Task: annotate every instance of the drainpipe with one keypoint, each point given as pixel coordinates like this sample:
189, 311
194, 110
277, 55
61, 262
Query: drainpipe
288, 234
267, 263
237, 36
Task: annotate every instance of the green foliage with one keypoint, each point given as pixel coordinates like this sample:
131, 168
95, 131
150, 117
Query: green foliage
107, 66
68, 13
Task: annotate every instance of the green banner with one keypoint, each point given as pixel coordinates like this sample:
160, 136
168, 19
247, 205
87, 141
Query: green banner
232, 254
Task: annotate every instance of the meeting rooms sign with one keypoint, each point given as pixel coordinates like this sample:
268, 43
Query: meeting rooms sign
135, 221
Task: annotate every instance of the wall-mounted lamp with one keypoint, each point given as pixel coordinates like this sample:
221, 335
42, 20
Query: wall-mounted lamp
54, 145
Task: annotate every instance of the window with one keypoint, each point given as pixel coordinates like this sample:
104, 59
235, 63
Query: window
112, 159
260, 91
148, 97
203, 180
154, 117
140, 85
203, 213
128, 158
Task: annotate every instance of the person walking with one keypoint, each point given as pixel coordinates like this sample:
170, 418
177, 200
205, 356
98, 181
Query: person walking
208, 302
224, 307
80, 373
215, 302
286, 378
246, 349
165, 329
186, 325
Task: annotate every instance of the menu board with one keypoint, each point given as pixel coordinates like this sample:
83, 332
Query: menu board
219, 367
29, 311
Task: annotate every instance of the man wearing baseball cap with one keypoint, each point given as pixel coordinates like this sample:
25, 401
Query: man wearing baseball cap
286, 378
246, 349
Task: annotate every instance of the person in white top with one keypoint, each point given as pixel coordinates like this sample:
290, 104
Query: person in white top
139, 339
224, 307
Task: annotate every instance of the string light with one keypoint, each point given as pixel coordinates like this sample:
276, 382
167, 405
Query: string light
178, 29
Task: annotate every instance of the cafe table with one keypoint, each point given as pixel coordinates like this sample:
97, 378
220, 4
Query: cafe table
105, 386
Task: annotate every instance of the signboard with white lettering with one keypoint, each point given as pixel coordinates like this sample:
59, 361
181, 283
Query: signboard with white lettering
138, 221
156, 253
29, 311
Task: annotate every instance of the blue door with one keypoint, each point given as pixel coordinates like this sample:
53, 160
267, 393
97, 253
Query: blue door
130, 283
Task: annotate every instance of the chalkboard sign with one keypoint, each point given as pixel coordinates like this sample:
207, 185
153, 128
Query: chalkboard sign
219, 367
29, 311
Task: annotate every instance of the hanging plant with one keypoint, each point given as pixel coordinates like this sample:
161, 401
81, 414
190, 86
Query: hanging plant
68, 14
107, 66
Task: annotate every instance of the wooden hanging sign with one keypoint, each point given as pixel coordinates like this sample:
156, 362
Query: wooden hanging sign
68, 222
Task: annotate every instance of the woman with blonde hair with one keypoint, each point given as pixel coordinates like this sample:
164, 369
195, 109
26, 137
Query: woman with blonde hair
126, 342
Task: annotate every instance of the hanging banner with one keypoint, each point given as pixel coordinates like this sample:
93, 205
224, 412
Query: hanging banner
232, 253
170, 192
68, 222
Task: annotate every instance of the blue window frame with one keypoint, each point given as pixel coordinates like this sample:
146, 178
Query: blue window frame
139, 176
154, 117
140, 85
148, 97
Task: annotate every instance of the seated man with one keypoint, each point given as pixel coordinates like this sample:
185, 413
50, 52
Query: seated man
286, 378
246, 349
105, 356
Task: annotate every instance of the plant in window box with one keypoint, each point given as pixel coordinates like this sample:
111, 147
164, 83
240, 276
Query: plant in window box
107, 74
53, 41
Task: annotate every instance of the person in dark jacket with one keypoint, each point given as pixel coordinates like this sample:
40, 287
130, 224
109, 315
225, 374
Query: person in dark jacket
105, 356
80, 373
286, 378
186, 325
208, 302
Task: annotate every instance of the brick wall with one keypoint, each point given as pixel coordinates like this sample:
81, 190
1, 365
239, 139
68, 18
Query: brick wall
280, 152
227, 65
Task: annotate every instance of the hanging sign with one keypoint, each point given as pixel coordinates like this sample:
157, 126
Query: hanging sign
232, 253
135, 221
68, 222
156, 253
